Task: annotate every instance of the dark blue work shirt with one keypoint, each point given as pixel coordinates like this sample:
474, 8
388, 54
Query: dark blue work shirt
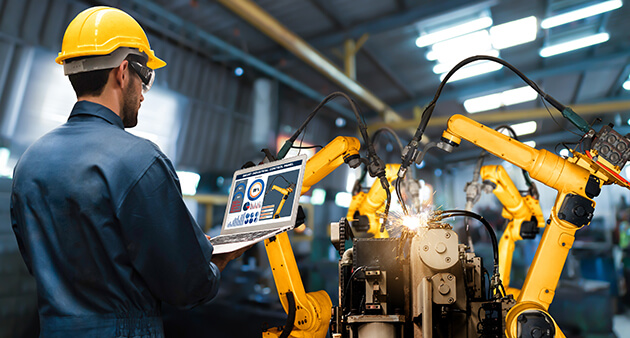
101, 224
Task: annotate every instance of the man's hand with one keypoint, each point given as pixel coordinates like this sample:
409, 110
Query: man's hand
221, 260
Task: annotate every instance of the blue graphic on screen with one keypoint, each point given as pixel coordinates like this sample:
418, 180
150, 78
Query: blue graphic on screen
277, 185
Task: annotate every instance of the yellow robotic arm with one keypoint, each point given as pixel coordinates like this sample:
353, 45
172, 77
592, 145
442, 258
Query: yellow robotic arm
577, 181
372, 204
285, 194
309, 313
518, 210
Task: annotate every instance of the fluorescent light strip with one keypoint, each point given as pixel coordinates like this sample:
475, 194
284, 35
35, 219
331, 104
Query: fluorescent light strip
318, 196
476, 69
581, 13
188, 181
518, 95
494, 101
343, 199
477, 41
524, 128
483, 103
448, 33
574, 44
444, 65
514, 33
530, 143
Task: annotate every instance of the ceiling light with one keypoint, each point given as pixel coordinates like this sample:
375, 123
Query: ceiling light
444, 65
518, 95
514, 33
468, 44
581, 13
530, 143
574, 44
340, 122
318, 196
524, 128
188, 181
343, 199
506, 98
626, 85
472, 70
483, 103
453, 31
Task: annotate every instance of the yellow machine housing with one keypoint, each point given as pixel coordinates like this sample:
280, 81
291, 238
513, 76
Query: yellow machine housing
372, 203
313, 309
577, 180
517, 209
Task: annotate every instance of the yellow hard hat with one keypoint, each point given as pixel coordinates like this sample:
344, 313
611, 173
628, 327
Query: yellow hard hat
100, 31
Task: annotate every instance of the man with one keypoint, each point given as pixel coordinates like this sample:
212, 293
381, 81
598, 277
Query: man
97, 211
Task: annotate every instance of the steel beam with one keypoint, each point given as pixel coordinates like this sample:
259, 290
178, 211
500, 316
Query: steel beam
164, 22
264, 22
513, 115
407, 17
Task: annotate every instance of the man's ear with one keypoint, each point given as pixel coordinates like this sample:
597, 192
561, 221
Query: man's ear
121, 74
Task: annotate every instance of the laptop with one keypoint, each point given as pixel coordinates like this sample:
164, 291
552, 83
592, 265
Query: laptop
263, 203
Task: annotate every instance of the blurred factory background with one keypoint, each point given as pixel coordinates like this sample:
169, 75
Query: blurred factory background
243, 76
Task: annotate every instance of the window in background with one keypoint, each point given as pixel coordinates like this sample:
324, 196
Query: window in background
50, 98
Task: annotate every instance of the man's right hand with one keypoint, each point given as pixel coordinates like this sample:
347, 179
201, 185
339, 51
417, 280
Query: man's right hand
221, 260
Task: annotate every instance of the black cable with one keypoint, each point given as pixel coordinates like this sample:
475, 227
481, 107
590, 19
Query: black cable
375, 165
493, 236
391, 132
410, 151
309, 147
509, 129
345, 288
530, 184
288, 327
554, 119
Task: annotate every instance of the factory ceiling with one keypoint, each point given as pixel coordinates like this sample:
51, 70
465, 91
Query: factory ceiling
395, 79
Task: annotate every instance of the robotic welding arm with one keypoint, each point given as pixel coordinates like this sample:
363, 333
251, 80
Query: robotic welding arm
523, 212
372, 204
285, 194
310, 312
577, 180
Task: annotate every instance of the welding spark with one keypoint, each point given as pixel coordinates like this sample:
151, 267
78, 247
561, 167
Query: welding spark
410, 223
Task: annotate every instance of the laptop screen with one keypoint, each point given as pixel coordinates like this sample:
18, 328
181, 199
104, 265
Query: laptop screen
264, 196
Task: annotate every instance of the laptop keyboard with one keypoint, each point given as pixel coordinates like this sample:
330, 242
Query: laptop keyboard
242, 237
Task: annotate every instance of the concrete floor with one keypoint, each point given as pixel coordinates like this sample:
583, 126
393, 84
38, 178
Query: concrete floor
621, 325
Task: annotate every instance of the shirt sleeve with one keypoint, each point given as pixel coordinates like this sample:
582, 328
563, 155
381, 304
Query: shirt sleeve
17, 230
165, 244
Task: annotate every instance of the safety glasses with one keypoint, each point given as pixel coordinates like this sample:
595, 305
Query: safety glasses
146, 74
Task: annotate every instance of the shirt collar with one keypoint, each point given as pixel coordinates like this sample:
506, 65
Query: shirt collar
95, 109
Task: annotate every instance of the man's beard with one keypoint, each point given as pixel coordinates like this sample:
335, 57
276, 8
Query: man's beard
129, 113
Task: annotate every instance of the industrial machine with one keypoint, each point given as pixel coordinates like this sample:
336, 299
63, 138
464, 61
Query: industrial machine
523, 213
425, 282
309, 313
